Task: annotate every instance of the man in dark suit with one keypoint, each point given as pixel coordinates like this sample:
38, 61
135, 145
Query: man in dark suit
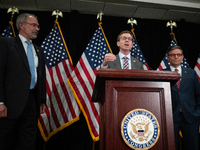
123, 59
22, 86
185, 101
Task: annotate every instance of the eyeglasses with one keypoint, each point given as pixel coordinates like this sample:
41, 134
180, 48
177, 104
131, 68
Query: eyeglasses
174, 55
128, 38
34, 25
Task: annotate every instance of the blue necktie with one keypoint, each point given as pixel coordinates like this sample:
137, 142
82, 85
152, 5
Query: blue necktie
31, 63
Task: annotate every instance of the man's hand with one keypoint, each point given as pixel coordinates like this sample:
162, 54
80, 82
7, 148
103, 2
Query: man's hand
42, 108
107, 58
3, 111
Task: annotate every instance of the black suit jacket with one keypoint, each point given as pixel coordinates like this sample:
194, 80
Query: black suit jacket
15, 77
135, 64
188, 96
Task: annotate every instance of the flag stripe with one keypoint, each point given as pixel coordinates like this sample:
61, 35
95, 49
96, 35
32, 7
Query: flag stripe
87, 79
85, 93
83, 78
54, 104
63, 90
43, 125
63, 109
70, 112
197, 67
83, 105
87, 75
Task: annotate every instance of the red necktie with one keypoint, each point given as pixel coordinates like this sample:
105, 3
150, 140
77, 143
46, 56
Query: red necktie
178, 83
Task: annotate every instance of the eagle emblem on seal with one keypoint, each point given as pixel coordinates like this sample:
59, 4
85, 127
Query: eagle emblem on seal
140, 131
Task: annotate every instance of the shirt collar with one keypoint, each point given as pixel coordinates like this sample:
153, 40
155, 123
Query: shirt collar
122, 55
23, 39
179, 69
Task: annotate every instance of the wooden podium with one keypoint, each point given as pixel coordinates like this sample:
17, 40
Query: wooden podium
121, 91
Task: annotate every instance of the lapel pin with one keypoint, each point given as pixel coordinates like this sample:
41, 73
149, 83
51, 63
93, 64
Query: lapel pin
133, 60
37, 50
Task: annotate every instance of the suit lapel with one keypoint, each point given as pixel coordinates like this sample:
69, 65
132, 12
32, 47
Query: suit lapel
184, 76
19, 47
39, 58
133, 63
175, 87
37, 52
118, 64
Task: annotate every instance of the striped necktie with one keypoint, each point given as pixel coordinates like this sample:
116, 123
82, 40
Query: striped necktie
31, 63
125, 63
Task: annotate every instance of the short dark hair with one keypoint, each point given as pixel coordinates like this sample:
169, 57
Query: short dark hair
125, 31
171, 48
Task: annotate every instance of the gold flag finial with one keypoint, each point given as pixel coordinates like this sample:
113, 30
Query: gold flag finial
132, 22
171, 24
99, 15
57, 13
13, 10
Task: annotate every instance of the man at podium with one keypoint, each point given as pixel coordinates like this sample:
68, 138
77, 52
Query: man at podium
185, 101
123, 60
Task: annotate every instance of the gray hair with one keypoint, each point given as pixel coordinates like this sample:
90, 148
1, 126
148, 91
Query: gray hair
23, 18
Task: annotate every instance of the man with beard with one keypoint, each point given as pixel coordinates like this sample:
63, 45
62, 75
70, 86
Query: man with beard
22, 86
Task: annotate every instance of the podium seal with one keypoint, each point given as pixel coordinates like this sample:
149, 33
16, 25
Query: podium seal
140, 129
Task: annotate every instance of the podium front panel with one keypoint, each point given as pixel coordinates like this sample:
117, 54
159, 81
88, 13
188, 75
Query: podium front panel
122, 97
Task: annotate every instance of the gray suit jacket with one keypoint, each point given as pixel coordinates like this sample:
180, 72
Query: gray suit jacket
135, 63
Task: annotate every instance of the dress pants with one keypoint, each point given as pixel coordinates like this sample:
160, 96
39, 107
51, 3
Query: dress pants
190, 132
20, 133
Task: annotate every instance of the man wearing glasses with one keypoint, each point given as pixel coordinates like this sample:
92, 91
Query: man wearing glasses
185, 101
123, 59
22, 86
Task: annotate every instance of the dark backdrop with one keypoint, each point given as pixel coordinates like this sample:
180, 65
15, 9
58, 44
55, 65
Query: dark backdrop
152, 35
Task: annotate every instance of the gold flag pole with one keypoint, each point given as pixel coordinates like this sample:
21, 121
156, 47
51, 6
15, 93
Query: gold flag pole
13, 10
99, 15
132, 22
57, 13
171, 25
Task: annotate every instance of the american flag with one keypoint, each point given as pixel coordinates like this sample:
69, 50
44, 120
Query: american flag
9, 31
197, 67
62, 109
83, 79
137, 53
165, 63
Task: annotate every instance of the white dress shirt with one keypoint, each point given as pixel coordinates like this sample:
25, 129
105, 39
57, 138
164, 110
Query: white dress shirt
23, 39
179, 69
